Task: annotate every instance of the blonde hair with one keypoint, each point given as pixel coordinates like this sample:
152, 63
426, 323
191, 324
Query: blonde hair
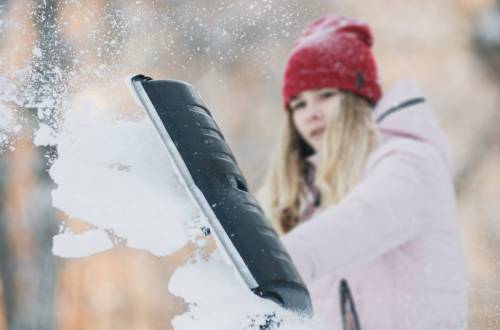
348, 140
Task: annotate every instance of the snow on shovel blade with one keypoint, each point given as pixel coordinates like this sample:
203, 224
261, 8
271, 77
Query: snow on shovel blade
207, 168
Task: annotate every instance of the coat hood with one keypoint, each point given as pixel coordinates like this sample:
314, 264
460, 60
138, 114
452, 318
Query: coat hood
403, 111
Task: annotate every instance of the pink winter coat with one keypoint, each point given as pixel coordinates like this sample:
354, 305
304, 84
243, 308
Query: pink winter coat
394, 237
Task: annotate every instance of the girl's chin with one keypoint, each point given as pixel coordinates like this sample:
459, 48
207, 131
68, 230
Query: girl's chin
316, 142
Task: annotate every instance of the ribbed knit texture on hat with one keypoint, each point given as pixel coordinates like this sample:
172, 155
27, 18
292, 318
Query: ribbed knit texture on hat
334, 51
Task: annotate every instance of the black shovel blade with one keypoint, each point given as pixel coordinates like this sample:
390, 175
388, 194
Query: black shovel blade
209, 170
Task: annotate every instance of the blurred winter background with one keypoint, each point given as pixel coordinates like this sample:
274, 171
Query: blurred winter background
63, 54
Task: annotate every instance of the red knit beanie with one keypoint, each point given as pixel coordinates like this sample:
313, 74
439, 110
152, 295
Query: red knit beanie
334, 51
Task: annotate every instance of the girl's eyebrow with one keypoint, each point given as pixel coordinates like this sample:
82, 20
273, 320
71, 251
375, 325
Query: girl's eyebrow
295, 97
296, 102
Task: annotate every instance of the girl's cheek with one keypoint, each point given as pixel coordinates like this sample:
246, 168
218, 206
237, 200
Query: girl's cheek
298, 120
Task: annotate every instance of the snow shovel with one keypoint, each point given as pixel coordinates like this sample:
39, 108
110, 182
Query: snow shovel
208, 170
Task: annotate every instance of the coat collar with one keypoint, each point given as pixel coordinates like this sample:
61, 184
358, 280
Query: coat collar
403, 111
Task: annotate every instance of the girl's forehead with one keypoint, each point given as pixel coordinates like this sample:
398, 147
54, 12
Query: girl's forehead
311, 92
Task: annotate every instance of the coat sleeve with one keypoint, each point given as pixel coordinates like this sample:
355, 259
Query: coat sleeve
388, 207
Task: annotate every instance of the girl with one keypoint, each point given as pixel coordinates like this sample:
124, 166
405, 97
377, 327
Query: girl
362, 189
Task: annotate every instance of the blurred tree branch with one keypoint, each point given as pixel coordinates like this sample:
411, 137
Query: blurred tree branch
6, 257
486, 39
29, 279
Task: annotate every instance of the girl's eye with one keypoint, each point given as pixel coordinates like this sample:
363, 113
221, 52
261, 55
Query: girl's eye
327, 94
297, 105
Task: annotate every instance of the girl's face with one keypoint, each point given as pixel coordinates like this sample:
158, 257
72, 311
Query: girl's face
312, 110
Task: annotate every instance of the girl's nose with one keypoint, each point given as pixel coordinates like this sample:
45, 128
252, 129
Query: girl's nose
314, 113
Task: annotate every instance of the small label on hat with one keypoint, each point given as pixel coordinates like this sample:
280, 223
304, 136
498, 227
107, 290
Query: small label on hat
360, 80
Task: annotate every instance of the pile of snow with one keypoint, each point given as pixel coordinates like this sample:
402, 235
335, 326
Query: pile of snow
220, 301
115, 174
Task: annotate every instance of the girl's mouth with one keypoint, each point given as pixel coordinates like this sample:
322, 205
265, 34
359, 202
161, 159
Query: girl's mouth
317, 132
